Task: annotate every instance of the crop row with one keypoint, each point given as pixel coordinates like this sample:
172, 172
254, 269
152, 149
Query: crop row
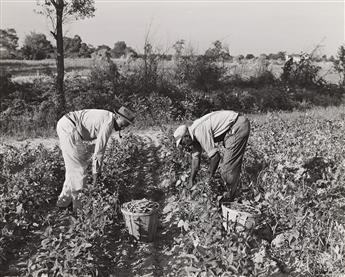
294, 173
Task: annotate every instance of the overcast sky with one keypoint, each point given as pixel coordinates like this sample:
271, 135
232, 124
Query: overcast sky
245, 26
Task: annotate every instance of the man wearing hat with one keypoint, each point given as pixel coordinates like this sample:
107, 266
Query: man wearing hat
224, 126
76, 128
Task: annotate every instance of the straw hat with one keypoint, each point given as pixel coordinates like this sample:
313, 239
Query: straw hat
127, 114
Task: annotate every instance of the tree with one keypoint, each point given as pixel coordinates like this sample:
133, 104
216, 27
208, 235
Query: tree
218, 52
103, 46
8, 42
240, 57
281, 55
178, 47
132, 52
72, 46
36, 47
339, 64
119, 49
86, 50
60, 11
250, 56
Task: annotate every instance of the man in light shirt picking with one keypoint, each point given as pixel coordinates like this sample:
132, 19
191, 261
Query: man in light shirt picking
76, 128
225, 126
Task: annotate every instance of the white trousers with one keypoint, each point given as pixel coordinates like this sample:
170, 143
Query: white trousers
76, 157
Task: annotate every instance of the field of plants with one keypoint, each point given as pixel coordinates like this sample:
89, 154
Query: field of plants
29, 69
294, 173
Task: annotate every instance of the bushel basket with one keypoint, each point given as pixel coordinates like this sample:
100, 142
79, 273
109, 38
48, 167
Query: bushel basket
239, 216
141, 218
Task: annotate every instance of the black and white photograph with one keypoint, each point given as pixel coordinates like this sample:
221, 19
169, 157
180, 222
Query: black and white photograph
172, 138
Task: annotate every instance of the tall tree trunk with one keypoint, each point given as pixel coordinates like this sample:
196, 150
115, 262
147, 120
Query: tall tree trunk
61, 101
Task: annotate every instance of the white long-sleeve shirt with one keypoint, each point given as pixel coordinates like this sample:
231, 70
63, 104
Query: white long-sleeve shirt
94, 124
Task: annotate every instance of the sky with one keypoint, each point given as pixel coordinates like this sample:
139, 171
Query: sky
253, 27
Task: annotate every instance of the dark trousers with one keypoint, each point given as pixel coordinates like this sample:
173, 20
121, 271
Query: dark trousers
235, 142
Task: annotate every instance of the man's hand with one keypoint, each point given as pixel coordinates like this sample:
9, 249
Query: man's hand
190, 183
94, 177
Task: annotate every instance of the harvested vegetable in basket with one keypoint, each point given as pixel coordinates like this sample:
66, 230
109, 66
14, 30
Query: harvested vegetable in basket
141, 206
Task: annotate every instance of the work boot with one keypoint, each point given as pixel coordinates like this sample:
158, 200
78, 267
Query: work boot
64, 201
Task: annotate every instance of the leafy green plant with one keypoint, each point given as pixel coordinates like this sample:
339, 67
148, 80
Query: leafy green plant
291, 173
298, 232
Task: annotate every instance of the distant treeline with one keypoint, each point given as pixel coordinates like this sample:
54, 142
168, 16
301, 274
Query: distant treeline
36, 46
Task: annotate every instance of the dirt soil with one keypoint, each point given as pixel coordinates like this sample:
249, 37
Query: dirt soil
151, 136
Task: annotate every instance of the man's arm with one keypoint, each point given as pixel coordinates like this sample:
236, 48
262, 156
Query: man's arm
100, 145
195, 169
214, 162
206, 141
196, 153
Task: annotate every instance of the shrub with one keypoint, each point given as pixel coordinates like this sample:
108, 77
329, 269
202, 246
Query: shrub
207, 75
154, 109
196, 104
339, 64
31, 109
247, 101
250, 56
226, 100
104, 75
200, 72
270, 99
303, 73
36, 47
326, 96
6, 86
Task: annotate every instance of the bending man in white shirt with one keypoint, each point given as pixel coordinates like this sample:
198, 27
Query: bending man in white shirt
220, 126
77, 127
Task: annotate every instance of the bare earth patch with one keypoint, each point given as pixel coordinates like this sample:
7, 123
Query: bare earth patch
151, 136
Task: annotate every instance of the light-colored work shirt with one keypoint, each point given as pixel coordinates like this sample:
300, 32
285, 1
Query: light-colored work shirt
207, 128
96, 125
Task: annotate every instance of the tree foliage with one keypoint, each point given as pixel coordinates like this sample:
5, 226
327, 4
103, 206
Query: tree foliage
86, 50
60, 11
72, 10
250, 56
36, 47
72, 46
9, 41
119, 49
303, 73
103, 46
280, 55
339, 63
76, 48
179, 47
218, 52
